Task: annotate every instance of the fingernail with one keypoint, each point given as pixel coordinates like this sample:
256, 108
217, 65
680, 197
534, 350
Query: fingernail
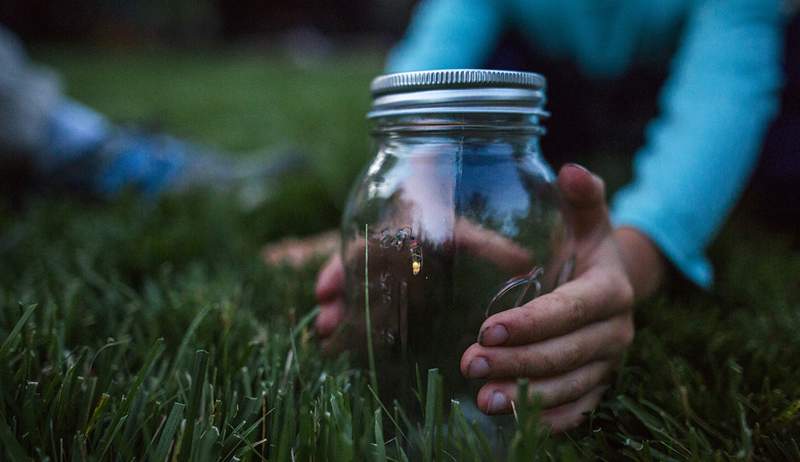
582, 168
498, 402
478, 368
493, 335
578, 166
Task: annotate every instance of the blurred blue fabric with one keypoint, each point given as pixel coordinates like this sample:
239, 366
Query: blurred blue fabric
722, 92
73, 147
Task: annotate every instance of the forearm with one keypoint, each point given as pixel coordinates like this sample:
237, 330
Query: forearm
701, 150
448, 34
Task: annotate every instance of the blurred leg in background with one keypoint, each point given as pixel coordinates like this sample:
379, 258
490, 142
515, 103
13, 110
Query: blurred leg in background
63, 145
28, 98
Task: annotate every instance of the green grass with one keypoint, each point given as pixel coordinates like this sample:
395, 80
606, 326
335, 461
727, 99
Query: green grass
137, 332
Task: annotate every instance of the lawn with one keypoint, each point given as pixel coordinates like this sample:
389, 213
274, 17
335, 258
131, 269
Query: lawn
133, 331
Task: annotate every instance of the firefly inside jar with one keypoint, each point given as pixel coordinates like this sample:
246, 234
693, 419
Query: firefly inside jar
456, 218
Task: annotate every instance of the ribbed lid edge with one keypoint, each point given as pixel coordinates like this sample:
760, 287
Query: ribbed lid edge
454, 78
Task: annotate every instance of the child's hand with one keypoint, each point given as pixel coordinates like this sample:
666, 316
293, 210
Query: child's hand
567, 343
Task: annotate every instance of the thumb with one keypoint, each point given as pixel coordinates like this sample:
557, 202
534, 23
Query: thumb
584, 201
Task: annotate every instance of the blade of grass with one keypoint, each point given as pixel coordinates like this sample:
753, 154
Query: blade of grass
388, 414
12, 336
432, 412
10, 443
373, 378
168, 433
195, 400
380, 446
187, 337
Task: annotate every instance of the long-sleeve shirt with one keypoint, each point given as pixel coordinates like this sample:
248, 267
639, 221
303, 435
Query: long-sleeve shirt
722, 91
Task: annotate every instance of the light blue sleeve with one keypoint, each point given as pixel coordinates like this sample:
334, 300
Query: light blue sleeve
716, 105
448, 34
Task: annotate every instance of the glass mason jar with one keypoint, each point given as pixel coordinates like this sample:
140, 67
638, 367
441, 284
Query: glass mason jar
456, 218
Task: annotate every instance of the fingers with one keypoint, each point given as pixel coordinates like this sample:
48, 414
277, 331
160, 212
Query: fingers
495, 397
329, 292
330, 282
603, 340
329, 317
584, 207
568, 416
593, 297
298, 252
491, 246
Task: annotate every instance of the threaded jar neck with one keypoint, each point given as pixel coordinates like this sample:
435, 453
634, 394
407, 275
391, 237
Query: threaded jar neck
459, 100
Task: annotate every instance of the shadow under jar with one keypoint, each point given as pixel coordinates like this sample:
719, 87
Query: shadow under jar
456, 218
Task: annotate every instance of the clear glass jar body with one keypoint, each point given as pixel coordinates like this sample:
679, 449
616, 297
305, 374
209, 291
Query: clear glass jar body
456, 218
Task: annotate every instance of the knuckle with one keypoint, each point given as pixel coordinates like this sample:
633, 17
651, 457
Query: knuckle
577, 310
629, 336
530, 364
550, 366
528, 312
521, 366
619, 282
523, 324
572, 309
574, 388
627, 333
557, 299
571, 356
618, 288
520, 316
626, 295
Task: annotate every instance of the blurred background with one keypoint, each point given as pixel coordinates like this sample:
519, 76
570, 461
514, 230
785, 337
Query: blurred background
185, 22
254, 78
246, 77
239, 76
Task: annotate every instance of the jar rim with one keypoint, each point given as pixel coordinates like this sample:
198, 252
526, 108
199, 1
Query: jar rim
455, 78
458, 91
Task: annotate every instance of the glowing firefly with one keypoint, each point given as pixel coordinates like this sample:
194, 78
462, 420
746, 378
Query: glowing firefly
415, 251
399, 240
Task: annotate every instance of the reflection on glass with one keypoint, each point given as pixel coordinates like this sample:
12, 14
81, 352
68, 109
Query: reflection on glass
460, 226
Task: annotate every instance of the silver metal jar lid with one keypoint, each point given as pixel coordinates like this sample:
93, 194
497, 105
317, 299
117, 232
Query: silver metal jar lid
458, 91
